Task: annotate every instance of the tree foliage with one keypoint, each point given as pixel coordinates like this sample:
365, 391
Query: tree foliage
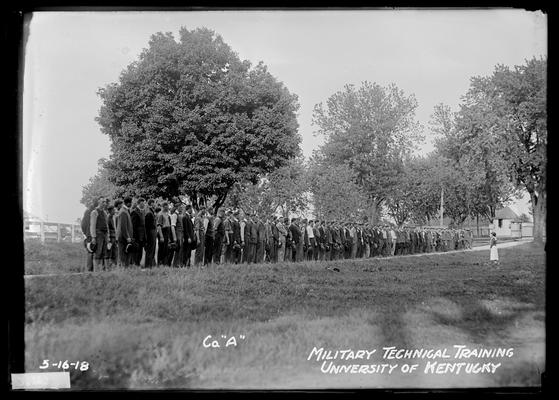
476, 182
99, 185
517, 98
284, 190
370, 129
335, 194
189, 117
500, 138
416, 196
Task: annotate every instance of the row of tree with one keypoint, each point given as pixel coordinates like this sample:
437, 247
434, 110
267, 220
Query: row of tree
191, 119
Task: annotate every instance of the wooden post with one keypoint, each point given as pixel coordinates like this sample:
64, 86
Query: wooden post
58, 233
42, 232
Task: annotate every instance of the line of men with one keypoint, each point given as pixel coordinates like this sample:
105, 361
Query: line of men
128, 232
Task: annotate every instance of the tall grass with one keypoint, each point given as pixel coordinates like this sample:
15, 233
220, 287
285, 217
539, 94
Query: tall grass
53, 257
145, 328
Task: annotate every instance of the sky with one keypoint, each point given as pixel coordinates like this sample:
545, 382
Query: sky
70, 55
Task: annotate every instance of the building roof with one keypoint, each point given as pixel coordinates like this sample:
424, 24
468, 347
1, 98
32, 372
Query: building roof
505, 213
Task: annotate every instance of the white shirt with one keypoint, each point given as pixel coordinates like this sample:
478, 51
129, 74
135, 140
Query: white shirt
310, 232
243, 224
174, 219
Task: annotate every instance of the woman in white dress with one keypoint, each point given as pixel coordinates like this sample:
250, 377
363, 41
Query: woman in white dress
493, 253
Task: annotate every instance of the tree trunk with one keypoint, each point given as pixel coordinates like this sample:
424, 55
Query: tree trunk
219, 201
539, 212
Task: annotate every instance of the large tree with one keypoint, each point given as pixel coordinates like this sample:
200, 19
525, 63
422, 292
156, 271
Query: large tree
335, 194
472, 174
190, 118
517, 99
417, 194
370, 129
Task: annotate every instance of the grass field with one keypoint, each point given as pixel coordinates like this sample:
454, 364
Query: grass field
145, 329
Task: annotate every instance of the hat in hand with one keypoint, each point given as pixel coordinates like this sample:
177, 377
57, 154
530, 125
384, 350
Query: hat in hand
91, 247
131, 247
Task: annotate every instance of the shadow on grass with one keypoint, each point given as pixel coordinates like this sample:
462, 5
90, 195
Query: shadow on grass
476, 320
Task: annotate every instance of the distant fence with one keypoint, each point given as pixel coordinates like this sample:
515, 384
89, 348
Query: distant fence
52, 232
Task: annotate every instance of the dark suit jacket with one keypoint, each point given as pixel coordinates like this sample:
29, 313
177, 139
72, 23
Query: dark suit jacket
327, 235
188, 232
138, 225
322, 233
275, 232
252, 232
149, 220
85, 222
124, 228
246, 237
236, 227
295, 233
336, 235
210, 230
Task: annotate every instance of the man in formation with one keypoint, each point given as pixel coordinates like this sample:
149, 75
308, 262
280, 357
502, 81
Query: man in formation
130, 232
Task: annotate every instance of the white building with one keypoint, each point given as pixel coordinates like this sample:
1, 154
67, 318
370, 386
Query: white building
507, 223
